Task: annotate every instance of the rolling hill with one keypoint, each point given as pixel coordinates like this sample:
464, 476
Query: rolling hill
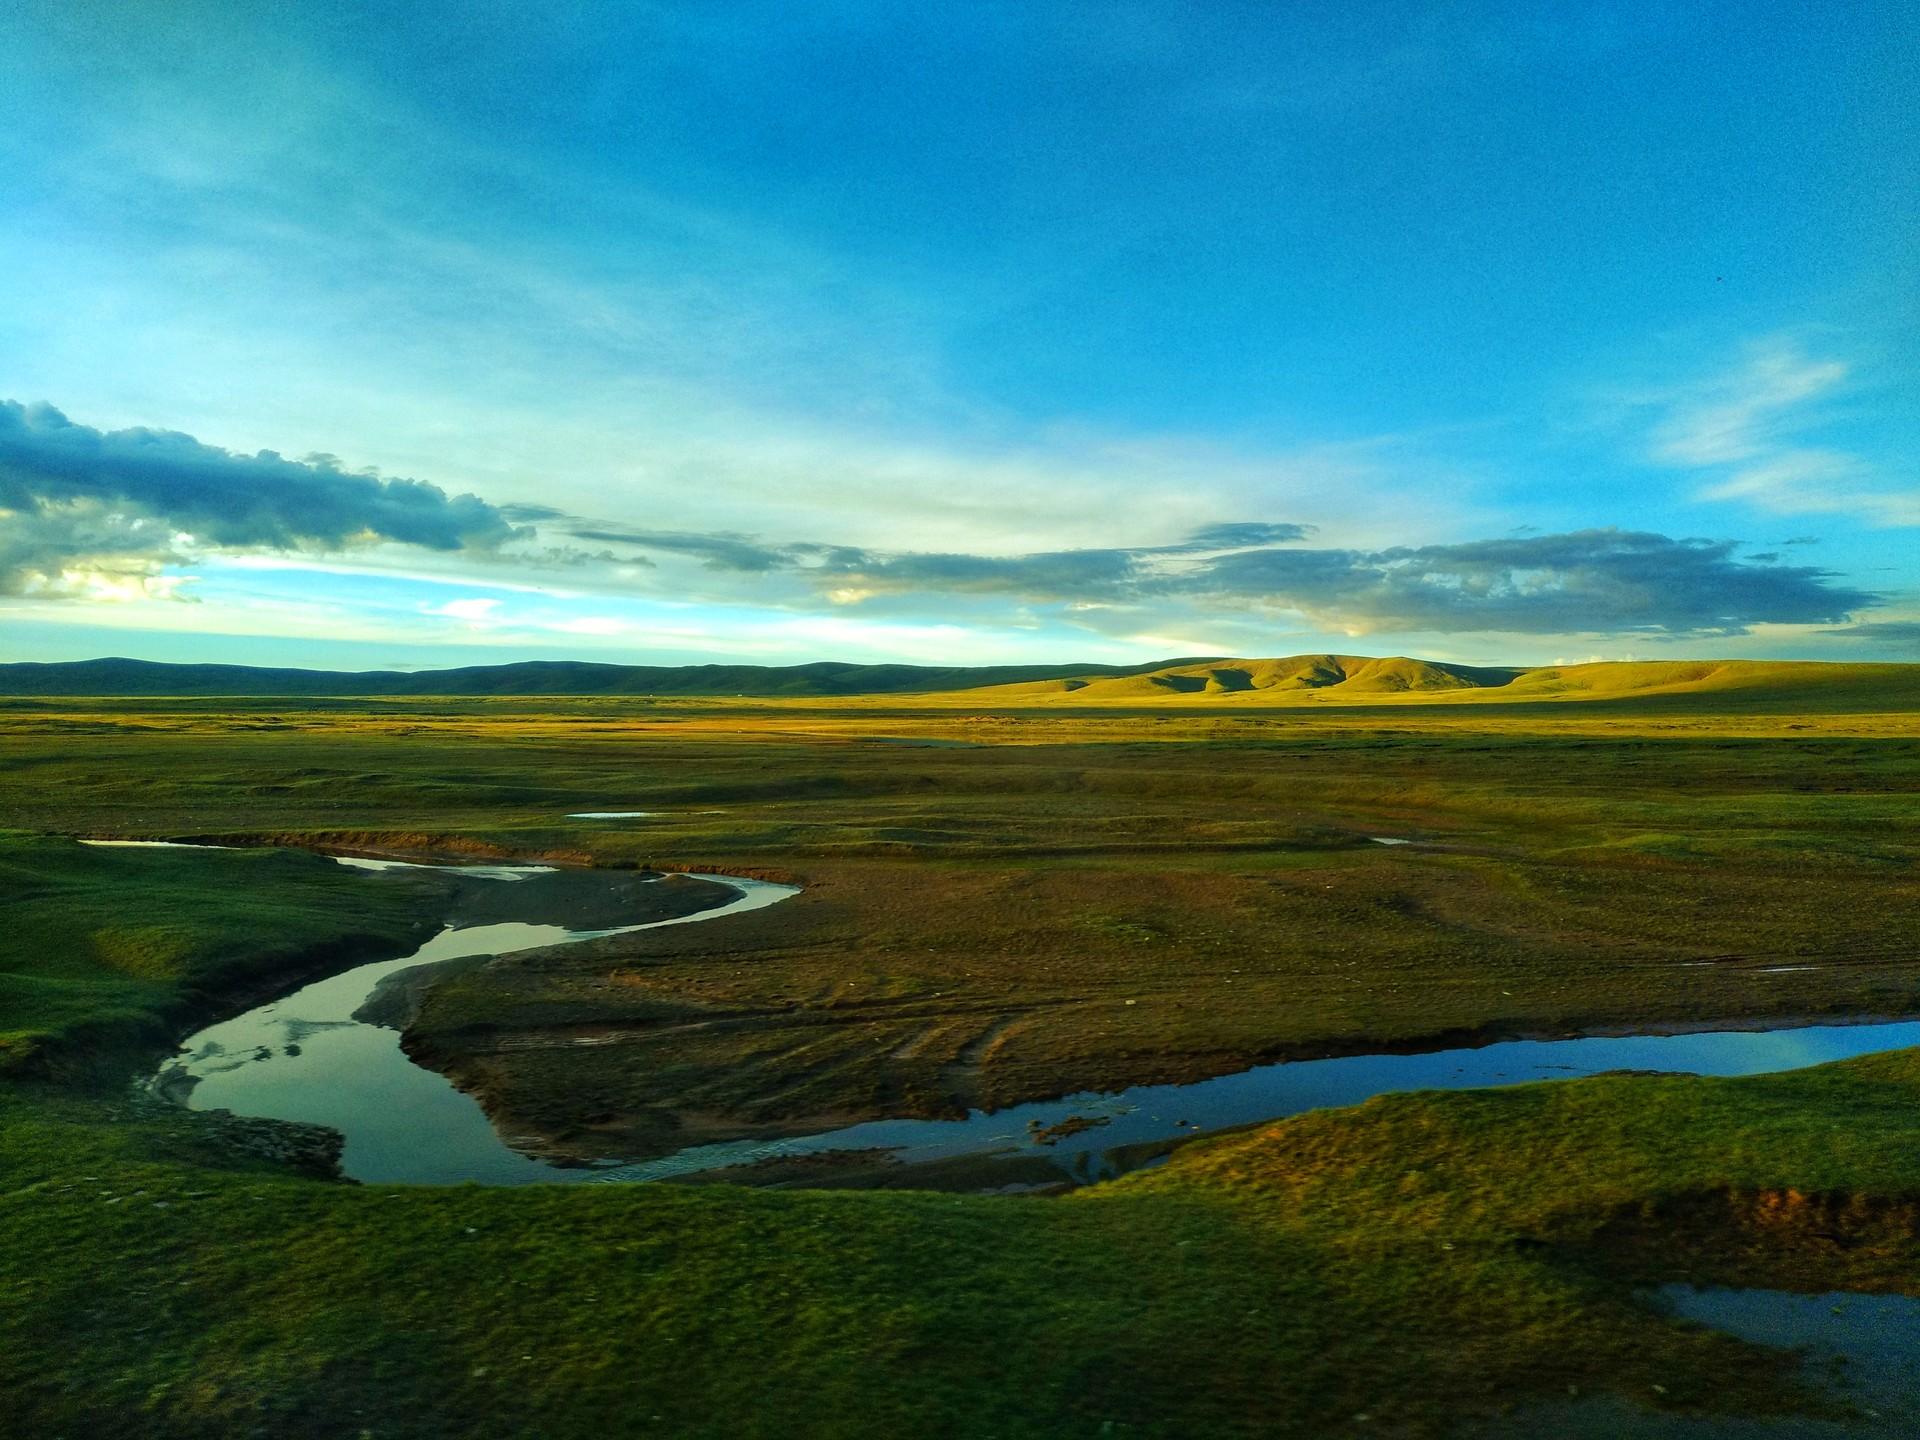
117, 676
1354, 679
1296, 680
1341, 675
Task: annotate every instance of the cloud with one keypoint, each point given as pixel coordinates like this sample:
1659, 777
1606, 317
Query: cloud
77, 501
476, 610
1242, 534
1593, 582
722, 550
1812, 482
1901, 635
103, 515
1748, 425
859, 572
1602, 582
1747, 413
1066, 575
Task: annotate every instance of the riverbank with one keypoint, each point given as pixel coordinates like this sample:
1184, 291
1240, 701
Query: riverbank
1421, 1260
1503, 1238
329, 1053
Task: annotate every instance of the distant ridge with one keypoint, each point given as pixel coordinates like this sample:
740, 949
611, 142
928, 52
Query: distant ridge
1294, 680
115, 676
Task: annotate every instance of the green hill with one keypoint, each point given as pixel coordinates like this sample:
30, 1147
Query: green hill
537, 677
1295, 680
1354, 679
1344, 675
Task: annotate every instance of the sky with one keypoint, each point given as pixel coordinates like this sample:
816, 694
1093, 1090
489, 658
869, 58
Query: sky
371, 336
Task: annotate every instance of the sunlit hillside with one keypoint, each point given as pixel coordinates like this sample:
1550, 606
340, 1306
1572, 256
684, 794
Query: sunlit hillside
1353, 679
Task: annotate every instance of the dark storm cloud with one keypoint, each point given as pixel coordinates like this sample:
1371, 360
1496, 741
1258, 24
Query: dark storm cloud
1067, 575
1046, 575
78, 496
1057, 575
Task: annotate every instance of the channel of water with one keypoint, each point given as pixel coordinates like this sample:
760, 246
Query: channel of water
305, 1057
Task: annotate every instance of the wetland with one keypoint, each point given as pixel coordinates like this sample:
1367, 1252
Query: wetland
1112, 1036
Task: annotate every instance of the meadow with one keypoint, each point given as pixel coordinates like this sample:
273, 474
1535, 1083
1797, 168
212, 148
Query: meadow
1000, 903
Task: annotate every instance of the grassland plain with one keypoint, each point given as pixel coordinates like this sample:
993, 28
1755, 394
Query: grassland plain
1006, 907
977, 918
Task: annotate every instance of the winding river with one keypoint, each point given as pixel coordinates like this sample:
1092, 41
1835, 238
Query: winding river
306, 1057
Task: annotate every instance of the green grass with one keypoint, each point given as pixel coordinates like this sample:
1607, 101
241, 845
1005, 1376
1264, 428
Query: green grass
975, 921
1421, 1260
978, 917
108, 950
1340, 680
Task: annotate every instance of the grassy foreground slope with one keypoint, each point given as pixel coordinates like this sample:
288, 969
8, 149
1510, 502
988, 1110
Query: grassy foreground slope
1404, 1268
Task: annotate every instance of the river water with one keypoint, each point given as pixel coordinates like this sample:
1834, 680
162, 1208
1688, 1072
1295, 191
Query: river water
305, 1057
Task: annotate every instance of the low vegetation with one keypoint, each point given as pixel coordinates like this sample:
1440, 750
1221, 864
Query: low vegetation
1401, 1268
1058, 901
107, 952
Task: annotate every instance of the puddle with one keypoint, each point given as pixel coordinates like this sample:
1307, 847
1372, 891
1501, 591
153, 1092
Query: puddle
1864, 1349
478, 872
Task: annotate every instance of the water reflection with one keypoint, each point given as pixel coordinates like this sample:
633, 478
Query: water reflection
304, 1057
1148, 1113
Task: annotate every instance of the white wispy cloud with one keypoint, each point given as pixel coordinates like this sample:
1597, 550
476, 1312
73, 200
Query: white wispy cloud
473, 609
1752, 426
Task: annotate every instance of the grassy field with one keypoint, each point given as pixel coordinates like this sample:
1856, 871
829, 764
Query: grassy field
1064, 901
1402, 1268
998, 906
108, 952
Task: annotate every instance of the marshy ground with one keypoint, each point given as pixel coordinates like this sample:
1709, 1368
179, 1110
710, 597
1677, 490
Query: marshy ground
998, 907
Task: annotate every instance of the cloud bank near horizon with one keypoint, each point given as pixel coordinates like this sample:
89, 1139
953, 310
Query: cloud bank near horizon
1590, 582
84, 511
95, 514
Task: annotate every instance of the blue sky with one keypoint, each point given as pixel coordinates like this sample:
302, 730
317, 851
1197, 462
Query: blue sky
960, 333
